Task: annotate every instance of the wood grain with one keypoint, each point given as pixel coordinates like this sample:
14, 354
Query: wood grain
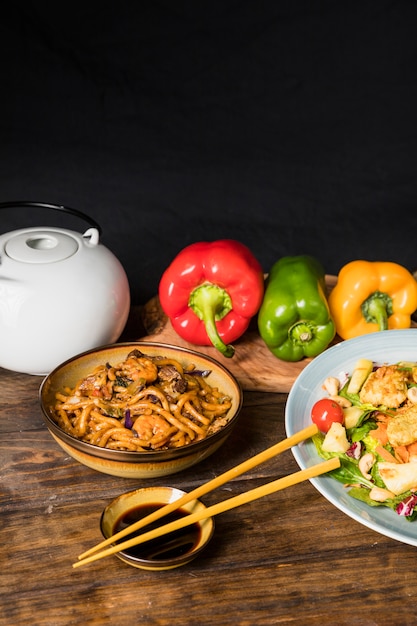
289, 558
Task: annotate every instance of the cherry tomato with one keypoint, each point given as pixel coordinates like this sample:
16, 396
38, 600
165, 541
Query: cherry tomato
325, 412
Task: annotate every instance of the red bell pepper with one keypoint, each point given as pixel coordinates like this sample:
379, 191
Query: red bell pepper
210, 292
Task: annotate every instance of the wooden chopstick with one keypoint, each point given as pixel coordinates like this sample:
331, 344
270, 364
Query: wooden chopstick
263, 456
220, 507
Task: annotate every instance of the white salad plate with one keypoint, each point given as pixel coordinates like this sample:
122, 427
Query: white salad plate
382, 347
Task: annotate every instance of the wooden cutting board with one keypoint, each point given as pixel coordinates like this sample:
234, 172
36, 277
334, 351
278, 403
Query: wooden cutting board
255, 367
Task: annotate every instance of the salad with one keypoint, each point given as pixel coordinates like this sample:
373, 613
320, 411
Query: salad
369, 420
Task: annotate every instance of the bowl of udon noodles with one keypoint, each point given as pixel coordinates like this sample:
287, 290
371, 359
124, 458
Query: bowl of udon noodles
140, 409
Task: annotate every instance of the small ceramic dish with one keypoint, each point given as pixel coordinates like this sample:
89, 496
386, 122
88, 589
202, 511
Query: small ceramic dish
144, 463
165, 552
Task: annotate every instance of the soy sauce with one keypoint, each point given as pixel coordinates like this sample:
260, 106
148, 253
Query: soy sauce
173, 545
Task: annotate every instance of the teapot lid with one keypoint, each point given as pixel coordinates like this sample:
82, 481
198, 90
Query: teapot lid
41, 246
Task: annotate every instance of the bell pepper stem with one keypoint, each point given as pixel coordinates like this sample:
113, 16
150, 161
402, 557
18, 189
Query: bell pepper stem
377, 308
301, 332
211, 303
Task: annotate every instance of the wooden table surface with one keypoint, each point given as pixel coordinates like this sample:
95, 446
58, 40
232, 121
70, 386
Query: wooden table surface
289, 558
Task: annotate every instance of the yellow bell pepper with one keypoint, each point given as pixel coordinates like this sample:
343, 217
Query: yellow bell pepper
370, 296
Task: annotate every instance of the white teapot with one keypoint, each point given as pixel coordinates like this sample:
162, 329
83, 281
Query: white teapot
61, 293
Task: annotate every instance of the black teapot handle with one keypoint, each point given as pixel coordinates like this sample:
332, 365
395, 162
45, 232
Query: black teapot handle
55, 207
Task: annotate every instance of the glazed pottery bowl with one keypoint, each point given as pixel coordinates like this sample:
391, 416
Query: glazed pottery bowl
146, 463
166, 552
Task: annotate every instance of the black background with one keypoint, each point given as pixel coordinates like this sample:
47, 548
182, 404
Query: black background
290, 126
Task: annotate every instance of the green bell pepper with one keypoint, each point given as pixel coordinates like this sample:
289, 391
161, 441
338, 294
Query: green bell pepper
294, 319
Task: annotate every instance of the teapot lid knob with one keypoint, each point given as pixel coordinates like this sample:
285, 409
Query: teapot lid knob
41, 246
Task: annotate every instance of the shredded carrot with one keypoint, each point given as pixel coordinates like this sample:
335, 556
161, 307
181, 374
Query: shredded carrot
382, 417
401, 454
380, 433
412, 449
387, 456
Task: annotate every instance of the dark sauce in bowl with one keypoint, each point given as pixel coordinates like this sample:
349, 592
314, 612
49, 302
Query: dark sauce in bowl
171, 546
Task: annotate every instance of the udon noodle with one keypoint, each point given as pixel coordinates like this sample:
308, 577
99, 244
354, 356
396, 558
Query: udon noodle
143, 403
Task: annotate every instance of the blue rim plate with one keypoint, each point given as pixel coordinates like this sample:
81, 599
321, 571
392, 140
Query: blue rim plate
382, 347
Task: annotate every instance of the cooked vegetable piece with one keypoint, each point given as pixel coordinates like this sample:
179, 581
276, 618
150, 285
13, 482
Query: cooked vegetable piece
398, 477
352, 416
335, 439
361, 372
